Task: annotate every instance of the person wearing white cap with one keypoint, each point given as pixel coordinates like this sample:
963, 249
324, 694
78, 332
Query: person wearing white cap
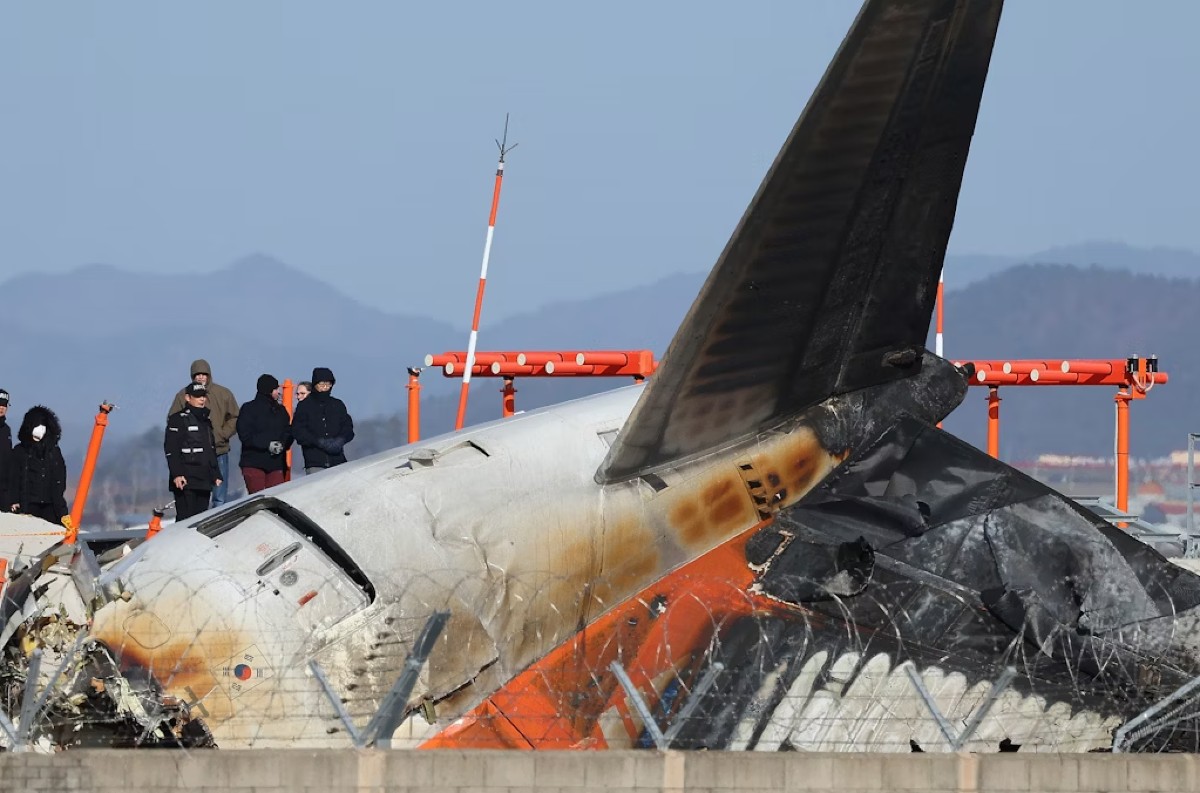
37, 481
191, 453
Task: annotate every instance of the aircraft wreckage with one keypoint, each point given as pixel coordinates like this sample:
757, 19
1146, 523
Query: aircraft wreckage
770, 545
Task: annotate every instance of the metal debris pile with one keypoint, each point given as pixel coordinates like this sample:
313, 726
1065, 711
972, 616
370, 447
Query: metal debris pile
65, 690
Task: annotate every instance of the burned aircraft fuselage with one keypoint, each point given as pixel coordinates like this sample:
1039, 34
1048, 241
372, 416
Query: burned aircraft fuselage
343, 569
226, 612
864, 552
770, 535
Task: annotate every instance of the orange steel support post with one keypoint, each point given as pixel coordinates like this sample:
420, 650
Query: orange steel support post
487, 253
414, 404
1122, 399
288, 392
993, 435
89, 468
509, 403
1140, 379
155, 524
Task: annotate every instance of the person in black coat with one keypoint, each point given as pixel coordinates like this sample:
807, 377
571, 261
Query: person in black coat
322, 426
265, 430
191, 454
5, 449
37, 476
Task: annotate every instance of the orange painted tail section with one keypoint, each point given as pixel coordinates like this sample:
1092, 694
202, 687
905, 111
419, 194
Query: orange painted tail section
570, 699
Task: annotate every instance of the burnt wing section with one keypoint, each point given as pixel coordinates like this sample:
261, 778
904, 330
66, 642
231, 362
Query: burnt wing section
828, 282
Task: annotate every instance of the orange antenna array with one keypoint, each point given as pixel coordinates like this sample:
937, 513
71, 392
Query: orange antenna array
638, 364
1133, 377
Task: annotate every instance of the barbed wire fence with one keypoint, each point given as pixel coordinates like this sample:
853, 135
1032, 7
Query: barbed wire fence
456, 660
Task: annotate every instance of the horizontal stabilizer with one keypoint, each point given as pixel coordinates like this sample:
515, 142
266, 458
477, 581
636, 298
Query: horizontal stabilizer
828, 282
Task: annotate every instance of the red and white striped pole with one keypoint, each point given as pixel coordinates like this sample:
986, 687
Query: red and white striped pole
937, 339
487, 252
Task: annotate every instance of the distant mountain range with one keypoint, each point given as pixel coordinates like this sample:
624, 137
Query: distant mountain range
71, 340
965, 269
1062, 311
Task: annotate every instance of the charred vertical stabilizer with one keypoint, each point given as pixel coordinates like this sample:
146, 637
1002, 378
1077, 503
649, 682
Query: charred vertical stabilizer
828, 282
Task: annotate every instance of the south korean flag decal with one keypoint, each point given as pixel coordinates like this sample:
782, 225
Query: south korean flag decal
243, 671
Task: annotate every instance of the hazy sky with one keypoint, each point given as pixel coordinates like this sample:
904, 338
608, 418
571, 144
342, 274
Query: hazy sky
354, 140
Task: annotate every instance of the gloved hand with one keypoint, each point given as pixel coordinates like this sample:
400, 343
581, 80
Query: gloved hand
330, 445
275, 447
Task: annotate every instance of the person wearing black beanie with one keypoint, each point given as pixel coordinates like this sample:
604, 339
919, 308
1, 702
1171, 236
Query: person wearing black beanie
322, 425
264, 428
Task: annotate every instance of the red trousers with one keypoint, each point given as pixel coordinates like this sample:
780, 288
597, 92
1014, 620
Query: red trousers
257, 479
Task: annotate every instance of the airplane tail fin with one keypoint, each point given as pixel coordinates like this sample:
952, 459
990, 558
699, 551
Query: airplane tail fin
828, 282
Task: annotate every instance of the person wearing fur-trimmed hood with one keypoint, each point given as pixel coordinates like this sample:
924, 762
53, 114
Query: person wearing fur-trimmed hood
37, 478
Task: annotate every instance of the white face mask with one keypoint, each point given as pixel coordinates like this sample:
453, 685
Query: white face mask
39, 432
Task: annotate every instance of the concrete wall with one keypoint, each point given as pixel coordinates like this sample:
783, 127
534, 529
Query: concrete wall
346, 771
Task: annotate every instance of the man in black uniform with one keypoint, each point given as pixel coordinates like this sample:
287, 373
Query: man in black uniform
322, 426
191, 454
5, 448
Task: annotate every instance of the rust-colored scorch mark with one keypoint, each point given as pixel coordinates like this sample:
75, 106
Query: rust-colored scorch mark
800, 464
185, 667
630, 560
593, 571
720, 508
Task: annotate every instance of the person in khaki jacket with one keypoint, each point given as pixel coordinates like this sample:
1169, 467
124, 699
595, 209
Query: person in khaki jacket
223, 412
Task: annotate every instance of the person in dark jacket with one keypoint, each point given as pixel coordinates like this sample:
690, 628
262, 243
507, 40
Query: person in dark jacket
191, 454
264, 428
5, 449
322, 426
37, 477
